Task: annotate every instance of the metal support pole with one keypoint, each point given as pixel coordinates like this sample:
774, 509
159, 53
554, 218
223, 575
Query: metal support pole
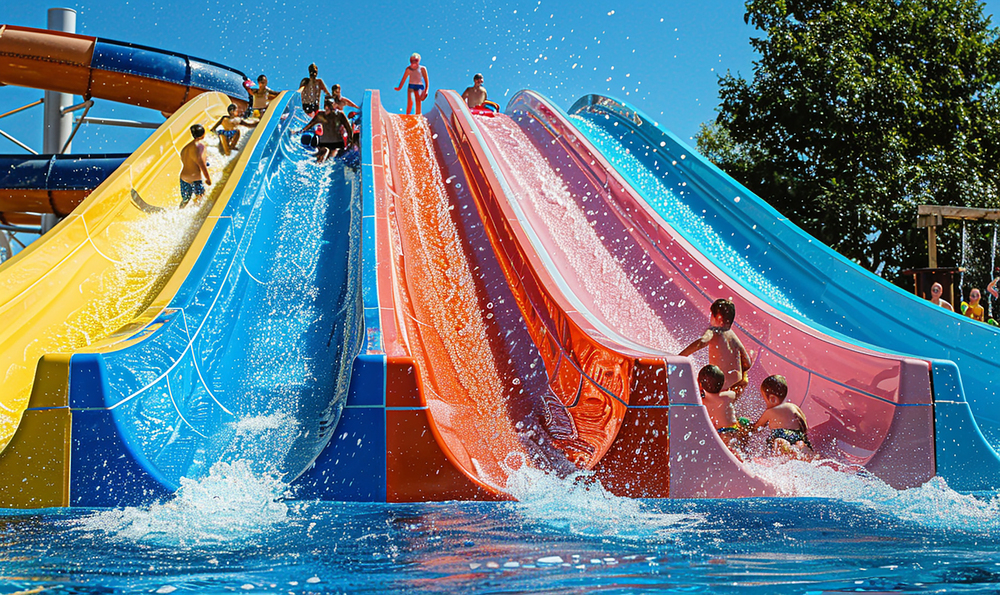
58, 126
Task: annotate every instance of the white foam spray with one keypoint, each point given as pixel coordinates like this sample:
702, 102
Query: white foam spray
230, 505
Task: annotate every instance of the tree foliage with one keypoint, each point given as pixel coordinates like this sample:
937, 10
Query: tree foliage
858, 111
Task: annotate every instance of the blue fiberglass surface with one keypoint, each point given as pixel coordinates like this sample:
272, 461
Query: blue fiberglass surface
129, 58
252, 358
793, 271
57, 172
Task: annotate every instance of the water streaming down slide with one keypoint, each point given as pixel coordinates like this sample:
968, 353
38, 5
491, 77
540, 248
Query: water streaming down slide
634, 279
100, 270
798, 275
482, 380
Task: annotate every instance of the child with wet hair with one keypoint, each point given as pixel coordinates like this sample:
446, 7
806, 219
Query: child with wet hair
789, 430
725, 349
229, 134
721, 406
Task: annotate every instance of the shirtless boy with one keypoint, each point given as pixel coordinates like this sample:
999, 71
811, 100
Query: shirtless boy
721, 408
725, 349
194, 168
229, 134
336, 127
789, 430
339, 100
419, 86
475, 95
262, 96
310, 88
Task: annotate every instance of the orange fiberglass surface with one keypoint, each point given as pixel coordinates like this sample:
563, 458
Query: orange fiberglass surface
108, 269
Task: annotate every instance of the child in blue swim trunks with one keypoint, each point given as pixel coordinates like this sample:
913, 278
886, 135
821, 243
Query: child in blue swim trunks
229, 134
721, 408
194, 167
419, 86
789, 430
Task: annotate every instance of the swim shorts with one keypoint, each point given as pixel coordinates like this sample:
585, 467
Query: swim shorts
791, 436
229, 134
416, 87
332, 146
189, 189
310, 108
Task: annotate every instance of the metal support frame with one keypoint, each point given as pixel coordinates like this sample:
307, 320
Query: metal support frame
114, 122
18, 143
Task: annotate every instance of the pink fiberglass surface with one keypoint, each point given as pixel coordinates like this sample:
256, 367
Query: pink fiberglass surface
634, 276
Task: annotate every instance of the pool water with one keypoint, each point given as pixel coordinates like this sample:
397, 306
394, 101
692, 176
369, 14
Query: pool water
236, 532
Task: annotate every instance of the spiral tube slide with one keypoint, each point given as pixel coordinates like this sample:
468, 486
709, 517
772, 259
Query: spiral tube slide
104, 69
51, 183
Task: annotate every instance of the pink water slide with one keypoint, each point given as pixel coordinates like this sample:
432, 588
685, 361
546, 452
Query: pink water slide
606, 295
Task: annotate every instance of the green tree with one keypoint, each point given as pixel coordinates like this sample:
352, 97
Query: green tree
858, 111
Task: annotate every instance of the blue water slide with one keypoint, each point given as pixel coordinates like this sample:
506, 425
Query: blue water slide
801, 276
251, 359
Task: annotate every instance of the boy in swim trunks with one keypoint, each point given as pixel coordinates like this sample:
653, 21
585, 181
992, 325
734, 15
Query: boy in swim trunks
229, 134
721, 408
725, 349
475, 95
336, 127
194, 167
262, 96
789, 430
419, 86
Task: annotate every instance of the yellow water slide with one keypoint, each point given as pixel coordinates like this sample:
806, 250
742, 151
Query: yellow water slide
106, 270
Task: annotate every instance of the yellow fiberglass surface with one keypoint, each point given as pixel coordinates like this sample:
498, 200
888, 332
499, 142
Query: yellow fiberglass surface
116, 261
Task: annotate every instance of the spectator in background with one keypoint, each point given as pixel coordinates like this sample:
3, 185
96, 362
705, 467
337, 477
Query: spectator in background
936, 291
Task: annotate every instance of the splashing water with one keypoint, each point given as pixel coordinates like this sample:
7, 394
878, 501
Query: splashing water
581, 506
933, 505
231, 504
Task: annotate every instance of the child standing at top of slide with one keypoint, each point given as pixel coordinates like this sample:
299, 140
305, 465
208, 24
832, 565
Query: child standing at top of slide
419, 85
725, 349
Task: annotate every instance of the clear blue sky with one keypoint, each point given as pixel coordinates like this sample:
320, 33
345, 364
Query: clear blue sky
664, 56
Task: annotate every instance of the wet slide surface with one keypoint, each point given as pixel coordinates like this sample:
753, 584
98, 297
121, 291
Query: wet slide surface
633, 277
252, 358
784, 265
481, 377
107, 265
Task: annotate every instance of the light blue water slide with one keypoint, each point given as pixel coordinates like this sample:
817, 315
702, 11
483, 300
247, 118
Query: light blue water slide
801, 276
252, 358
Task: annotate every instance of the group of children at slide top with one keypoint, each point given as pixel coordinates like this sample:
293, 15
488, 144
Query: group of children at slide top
334, 129
723, 381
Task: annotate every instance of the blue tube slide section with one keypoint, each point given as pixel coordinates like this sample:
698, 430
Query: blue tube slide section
57, 172
801, 276
252, 358
167, 66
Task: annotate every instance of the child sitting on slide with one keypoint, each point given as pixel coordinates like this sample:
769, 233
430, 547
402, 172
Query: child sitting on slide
229, 134
721, 408
789, 430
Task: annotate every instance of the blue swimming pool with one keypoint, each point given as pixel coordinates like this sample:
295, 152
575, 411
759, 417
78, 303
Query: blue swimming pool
234, 532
